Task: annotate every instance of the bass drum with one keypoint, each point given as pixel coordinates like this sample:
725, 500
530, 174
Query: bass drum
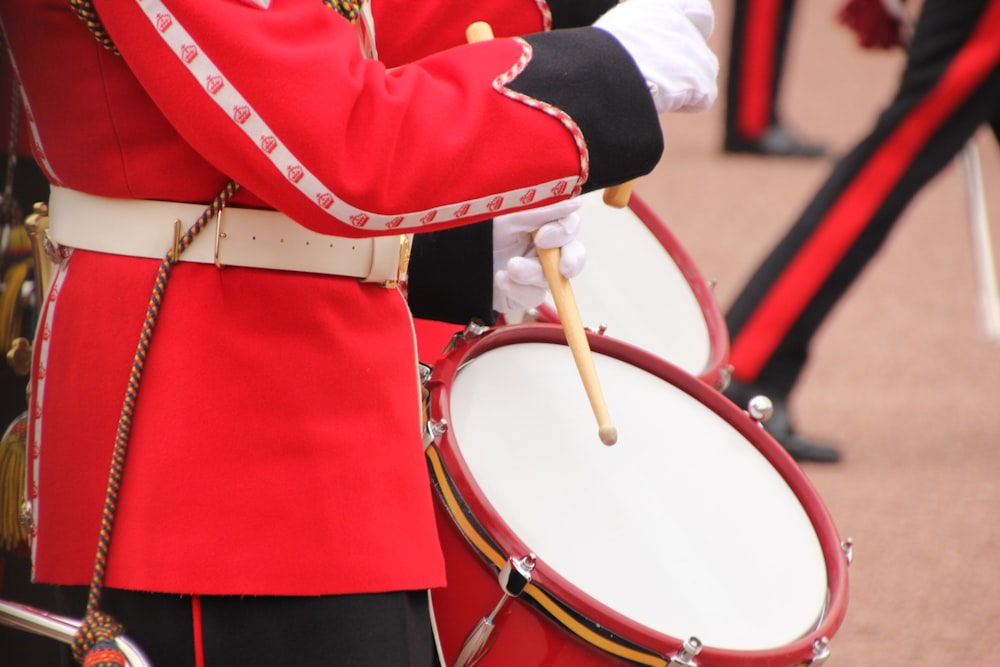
694, 540
640, 286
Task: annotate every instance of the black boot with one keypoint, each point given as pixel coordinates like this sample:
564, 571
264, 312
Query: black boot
777, 141
780, 425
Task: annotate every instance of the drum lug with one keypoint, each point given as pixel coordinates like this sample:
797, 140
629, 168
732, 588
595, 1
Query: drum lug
434, 430
725, 377
514, 577
473, 329
848, 546
685, 657
760, 408
821, 651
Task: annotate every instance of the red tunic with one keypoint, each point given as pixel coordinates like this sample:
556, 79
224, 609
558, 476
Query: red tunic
275, 447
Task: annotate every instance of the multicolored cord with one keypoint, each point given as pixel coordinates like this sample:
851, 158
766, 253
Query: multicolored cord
94, 644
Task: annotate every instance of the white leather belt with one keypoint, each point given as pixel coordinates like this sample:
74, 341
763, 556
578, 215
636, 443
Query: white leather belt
255, 238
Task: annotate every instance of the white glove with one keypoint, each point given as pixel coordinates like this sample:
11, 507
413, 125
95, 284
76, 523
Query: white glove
518, 280
667, 41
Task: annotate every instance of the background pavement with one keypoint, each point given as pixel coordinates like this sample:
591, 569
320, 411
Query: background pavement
902, 375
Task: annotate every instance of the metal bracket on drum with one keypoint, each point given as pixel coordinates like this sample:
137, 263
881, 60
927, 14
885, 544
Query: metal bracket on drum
848, 546
725, 377
514, 577
434, 430
473, 329
821, 651
760, 408
685, 657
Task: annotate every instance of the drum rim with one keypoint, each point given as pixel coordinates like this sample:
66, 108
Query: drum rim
550, 592
715, 371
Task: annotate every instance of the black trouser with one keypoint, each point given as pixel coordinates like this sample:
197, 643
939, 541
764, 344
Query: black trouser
758, 44
949, 89
374, 630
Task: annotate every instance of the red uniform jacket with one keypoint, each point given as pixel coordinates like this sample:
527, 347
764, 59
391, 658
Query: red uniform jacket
275, 445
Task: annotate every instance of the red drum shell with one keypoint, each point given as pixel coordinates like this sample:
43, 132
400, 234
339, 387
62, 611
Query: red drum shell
555, 623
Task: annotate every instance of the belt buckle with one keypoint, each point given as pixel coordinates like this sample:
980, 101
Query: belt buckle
219, 236
405, 247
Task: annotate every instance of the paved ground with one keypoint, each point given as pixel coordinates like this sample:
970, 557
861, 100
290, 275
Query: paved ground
902, 375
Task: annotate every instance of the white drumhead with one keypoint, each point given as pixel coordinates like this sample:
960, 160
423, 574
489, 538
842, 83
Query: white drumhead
632, 285
683, 526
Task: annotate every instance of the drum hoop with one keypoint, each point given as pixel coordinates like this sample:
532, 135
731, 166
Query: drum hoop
468, 498
717, 329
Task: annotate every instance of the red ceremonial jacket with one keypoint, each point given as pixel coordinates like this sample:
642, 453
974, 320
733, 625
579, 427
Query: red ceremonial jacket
275, 446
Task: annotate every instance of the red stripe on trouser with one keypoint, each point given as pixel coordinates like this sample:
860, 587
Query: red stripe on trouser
791, 293
757, 63
197, 631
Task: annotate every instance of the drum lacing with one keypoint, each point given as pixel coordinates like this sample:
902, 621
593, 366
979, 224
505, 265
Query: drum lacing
94, 644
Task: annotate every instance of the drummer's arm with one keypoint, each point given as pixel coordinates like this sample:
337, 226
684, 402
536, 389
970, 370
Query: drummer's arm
451, 272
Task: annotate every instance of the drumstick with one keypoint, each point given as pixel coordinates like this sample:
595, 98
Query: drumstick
569, 314
480, 31
576, 337
617, 196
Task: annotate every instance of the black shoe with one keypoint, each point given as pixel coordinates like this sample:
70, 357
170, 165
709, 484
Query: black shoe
780, 426
776, 141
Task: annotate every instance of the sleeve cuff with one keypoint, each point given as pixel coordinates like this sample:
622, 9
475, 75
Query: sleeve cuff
586, 73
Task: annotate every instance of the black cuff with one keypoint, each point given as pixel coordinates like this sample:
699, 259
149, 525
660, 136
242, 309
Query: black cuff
586, 73
451, 275
578, 13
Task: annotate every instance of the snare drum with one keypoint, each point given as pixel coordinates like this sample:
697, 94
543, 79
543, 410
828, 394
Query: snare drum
643, 287
693, 540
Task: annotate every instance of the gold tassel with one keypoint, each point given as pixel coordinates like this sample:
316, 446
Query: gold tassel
13, 453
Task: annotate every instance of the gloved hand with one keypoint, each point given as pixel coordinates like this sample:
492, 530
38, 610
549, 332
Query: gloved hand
667, 41
518, 280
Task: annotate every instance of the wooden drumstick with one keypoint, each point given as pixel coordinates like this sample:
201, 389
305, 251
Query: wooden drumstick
480, 31
569, 314
576, 337
617, 196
